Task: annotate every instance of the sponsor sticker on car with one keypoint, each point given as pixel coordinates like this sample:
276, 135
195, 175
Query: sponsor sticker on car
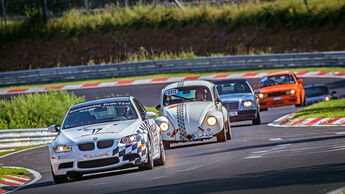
97, 155
171, 92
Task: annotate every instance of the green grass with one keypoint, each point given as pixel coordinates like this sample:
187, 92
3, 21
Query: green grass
167, 75
12, 171
36, 110
289, 14
331, 109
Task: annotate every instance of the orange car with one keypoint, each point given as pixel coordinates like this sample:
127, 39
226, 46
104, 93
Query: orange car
280, 89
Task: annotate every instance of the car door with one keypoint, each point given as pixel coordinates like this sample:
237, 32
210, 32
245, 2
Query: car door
152, 129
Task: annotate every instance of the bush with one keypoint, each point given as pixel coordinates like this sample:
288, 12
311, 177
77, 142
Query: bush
36, 110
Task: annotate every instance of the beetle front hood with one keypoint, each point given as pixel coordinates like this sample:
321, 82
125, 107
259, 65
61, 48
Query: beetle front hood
188, 116
109, 130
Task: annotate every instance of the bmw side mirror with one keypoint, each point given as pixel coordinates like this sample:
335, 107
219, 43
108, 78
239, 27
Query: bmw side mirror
150, 115
158, 107
54, 128
300, 81
256, 87
333, 93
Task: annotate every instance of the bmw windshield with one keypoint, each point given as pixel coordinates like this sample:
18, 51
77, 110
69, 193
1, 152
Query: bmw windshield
277, 80
100, 113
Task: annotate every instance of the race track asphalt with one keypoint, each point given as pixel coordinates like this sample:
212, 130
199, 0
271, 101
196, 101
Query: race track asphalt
259, 159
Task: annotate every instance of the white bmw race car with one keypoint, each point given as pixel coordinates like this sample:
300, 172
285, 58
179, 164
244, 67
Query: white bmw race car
192, 110
105, 134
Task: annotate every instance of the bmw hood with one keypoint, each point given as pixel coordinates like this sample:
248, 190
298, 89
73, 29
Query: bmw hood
188, 116
236, 97
113, 130
278, 88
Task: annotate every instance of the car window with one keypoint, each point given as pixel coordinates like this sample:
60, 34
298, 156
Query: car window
100, 113
140, 107
277, 80
232, 87
316, 91
186, 94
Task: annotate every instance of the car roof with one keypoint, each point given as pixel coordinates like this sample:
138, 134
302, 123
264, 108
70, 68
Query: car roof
278, 73
189, 83
105, 100
315, 85
230, 80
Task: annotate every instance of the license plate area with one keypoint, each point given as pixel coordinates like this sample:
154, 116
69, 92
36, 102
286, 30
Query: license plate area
233, 113
277, 98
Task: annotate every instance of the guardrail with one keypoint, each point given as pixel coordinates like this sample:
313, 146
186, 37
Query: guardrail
240, 62
13, 138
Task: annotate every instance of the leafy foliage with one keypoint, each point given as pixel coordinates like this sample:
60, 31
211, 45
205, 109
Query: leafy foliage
36, 110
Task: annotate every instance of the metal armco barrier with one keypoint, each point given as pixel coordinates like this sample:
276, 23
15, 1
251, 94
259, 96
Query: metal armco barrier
240, 62
13, 138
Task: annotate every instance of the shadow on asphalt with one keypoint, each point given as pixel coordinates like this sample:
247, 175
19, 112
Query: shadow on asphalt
270, 145
322, 174
85, 177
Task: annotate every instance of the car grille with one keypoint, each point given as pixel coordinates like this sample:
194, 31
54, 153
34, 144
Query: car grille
276, 94
86, 146
66, 165
98, 163
105, 144
231, 105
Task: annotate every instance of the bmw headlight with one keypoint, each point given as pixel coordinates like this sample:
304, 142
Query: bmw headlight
129, 139
62, 148
211, 121
164, 126
261, 95
291, 92
247, 103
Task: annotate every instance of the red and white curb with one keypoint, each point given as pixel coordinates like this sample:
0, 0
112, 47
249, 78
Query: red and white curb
10, 183
167, 80
289, 121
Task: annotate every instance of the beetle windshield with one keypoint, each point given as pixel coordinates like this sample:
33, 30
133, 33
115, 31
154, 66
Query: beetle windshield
100, 113
186, 94
232, 87
277, 80
316, 91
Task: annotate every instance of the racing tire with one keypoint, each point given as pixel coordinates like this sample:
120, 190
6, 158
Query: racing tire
257, 121
300, 102
228, 133
59, 178
162, 157
149, 164
166, 145
221, 136
263, 109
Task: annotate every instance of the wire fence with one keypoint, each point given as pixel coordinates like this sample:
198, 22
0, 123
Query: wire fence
18, 9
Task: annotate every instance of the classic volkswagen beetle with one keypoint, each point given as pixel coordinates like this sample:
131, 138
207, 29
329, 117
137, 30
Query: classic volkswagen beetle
102, 135
192, 110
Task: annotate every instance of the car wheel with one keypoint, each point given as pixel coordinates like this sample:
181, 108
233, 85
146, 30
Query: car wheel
300, 102
161, 160
221, 136
228, 133
166, 145
59, 178
257, 121
149, 164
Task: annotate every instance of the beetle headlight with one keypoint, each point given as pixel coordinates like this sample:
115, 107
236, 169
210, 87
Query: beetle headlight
211, 121
247, 103
164, 126
129, 139
62, 148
